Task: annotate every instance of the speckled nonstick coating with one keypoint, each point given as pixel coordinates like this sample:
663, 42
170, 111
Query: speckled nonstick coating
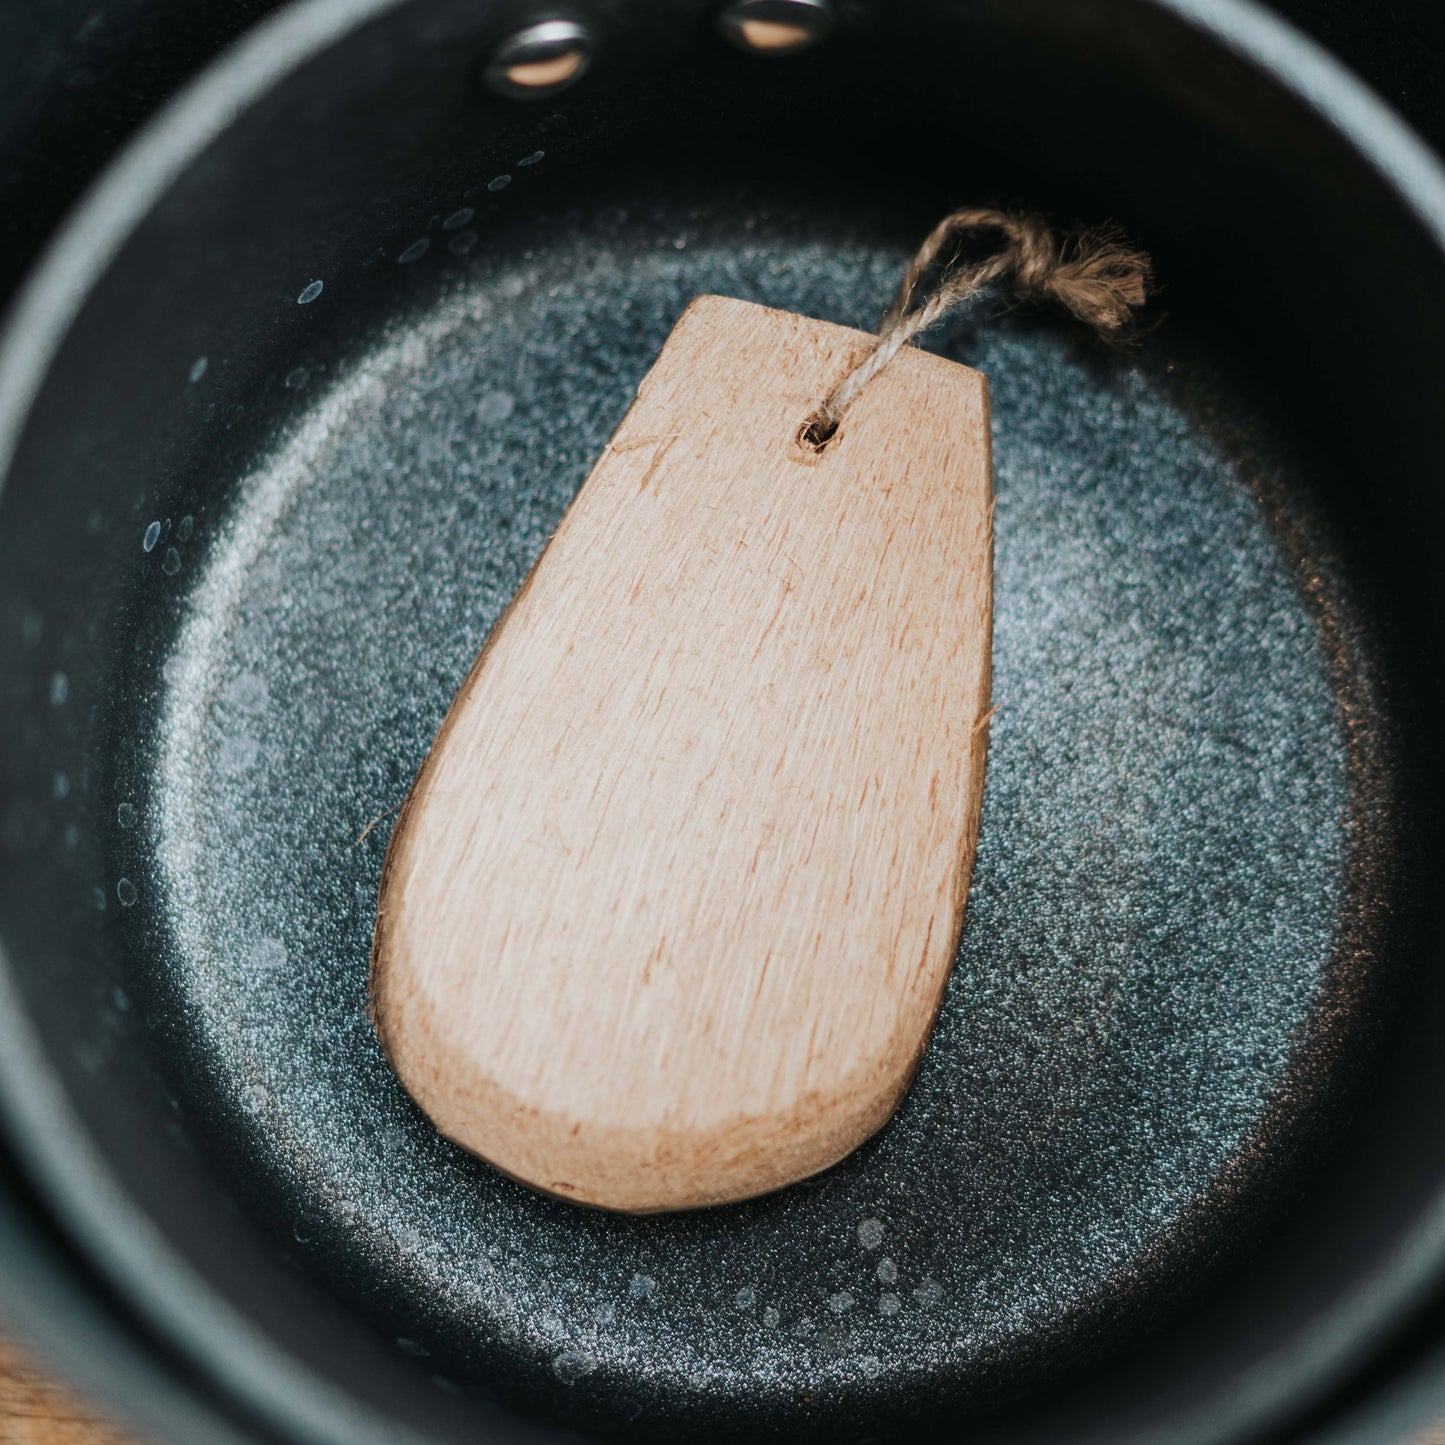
1159, 953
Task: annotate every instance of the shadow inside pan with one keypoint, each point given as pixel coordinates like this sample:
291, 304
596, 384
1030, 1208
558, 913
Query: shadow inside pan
1162, 960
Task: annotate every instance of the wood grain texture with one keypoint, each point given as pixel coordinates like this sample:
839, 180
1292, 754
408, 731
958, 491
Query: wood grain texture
35, 1410
667, 917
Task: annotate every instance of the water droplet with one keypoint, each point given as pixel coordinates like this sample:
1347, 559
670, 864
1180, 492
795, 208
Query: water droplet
532, 159
98, 896
802, 1329
172, 563
495, 407
267, 953
887, 1271
311, 292
237, 754
296, 378
462, 242
414, 252
60, 785
305, 1226
248, 692
746, 1300
125, 891
870, 1233
184, 528
771, 1318
499, 183
198, 368
125, 815
59, 689
871, 1366
642, 1286
679, 243
929, 1291
152, 536
121, 1000
349, 1213
573, 1365
412, 1347
72, 836
254, 1099
458, 219
889, 1304
841, 1302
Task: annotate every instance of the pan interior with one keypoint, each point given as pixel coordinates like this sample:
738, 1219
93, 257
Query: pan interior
1160, 970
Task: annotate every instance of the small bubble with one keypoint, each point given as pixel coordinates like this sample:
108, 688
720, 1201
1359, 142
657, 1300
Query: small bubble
499, 183
642, 1286
414, 252
121, 1000
889, 1304
870, 1233
198, 368
184, 528
296, 378
841, 1302
771, 1318
887, 1271
746, 1299
871, 1366
152, 536
305, 1226
679, 243
172, 563
125, 891
532, 159
59, 689
267, 953
458, 219
311, 292
125, 815
495, 407
929, 1291
573, 1365
60, 785
412, 1347
462, 242
254, 1099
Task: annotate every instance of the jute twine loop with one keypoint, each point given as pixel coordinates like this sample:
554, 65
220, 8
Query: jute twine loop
1093, 275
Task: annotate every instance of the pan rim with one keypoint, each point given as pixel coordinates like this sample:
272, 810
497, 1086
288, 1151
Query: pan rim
43, 1130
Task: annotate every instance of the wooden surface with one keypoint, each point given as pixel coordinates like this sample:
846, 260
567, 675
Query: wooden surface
668, 915
36, 1411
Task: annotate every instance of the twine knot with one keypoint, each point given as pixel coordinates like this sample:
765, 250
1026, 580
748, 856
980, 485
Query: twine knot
1094, 276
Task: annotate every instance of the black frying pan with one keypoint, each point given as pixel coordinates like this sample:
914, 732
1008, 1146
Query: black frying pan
1163, 1173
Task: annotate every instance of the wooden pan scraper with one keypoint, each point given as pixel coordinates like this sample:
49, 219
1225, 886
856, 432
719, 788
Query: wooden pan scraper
669, 912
